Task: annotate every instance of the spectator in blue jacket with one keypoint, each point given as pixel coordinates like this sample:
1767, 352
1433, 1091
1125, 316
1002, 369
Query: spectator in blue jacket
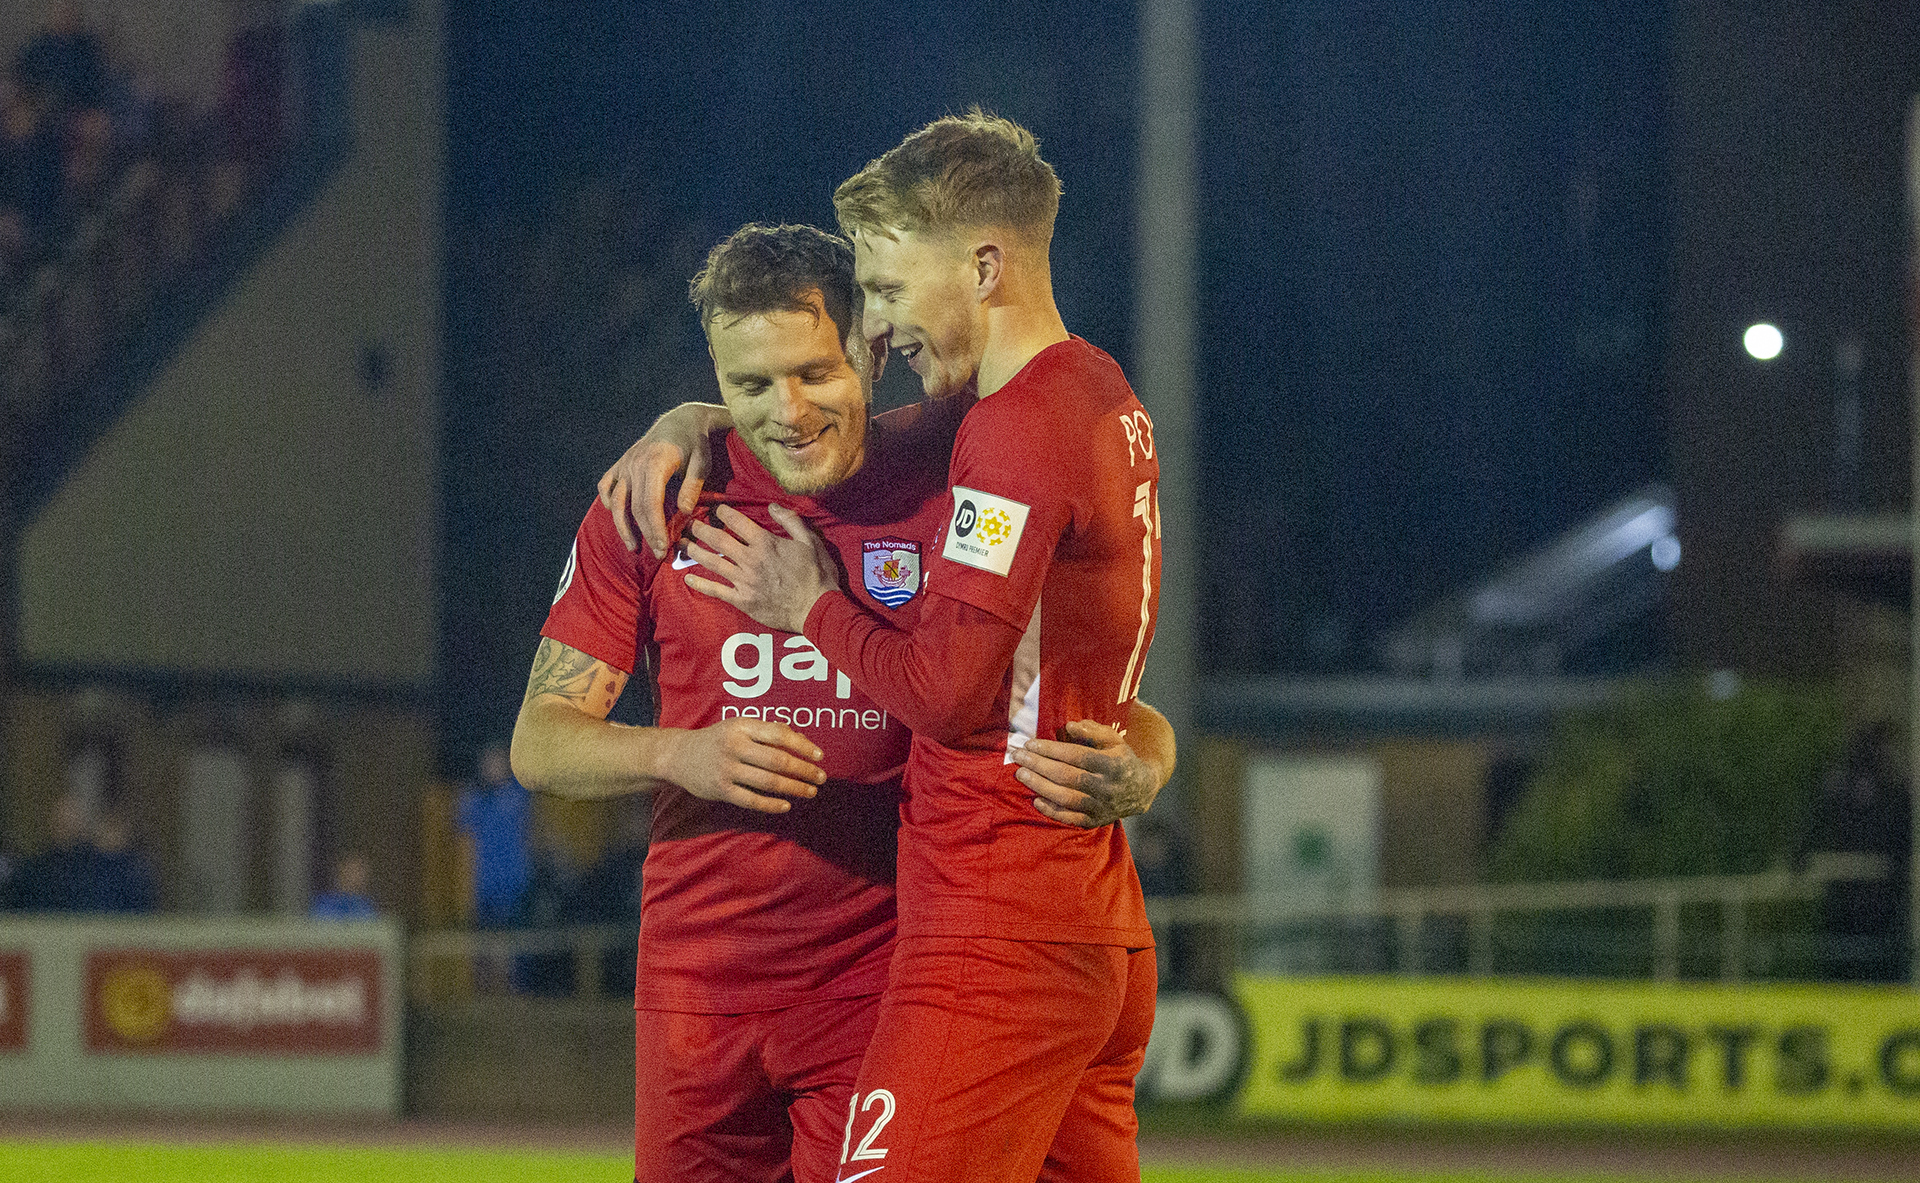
494, 814
347, 899
57, 878
120, 877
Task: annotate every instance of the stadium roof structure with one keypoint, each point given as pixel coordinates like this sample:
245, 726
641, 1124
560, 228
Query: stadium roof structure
1867, 554
1359, 706
1588, 603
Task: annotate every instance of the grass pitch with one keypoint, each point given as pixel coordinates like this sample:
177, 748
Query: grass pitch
75, 1162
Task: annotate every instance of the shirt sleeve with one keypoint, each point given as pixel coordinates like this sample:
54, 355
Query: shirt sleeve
600, 606
1013, 503
941, 679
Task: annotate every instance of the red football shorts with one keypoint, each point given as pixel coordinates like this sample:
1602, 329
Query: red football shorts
740, 1097
999, 1061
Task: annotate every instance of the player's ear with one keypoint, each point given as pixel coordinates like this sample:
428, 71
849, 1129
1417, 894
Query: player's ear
989, 264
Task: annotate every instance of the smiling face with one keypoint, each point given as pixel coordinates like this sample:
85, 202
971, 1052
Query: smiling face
921, 296
797, 401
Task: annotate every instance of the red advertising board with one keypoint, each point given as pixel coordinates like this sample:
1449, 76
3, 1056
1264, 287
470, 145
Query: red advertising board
14, 1000
304, 1001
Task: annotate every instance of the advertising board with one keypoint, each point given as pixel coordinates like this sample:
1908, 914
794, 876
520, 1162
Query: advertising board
1575, 1052
15, 984
308, 1001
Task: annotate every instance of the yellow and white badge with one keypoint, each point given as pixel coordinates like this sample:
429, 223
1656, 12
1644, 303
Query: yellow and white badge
985, 530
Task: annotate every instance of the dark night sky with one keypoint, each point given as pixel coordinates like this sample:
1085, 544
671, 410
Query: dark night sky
1432, 251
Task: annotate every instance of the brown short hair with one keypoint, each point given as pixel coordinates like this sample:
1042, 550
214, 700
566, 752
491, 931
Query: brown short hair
761, 268
970, 170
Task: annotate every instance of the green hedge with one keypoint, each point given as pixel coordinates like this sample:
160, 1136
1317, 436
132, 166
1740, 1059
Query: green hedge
1673, 779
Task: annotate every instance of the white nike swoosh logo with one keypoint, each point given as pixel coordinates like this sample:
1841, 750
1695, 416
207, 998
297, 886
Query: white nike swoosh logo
861, 1175
680, 563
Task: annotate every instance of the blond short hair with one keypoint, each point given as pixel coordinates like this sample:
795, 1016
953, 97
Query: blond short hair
960, 172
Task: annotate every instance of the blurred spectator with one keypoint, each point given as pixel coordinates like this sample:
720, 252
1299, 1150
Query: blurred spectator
58, 878
253, 96
548, 887
35, 173
80, 111
130, 96
1160, 858
63, 68
608, 892
60, 80
80, 115
119, 879
1156, 856
318, 67
347, 899
548, 884
493, 814
1863, 809
1504, 787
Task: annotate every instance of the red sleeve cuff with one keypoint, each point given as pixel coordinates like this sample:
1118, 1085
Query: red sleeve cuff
829, 618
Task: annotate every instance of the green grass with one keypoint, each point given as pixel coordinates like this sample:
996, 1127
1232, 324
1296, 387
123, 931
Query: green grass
82, 1162
58, 1162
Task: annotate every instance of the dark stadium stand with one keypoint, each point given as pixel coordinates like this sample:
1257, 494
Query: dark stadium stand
191, 204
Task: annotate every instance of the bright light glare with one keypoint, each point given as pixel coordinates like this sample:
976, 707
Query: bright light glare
1763, 341
1666, 553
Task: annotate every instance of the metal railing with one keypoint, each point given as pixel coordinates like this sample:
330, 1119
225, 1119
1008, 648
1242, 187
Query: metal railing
442, 963
1411, 911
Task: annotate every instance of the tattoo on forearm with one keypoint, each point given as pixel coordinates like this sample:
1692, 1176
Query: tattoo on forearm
560, 671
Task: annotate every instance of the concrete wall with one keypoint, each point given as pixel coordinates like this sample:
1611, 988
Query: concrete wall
1432, 821
1432, 810
520, 1059
264, 511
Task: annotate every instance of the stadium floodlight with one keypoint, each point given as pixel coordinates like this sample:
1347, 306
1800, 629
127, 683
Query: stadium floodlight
1763, 341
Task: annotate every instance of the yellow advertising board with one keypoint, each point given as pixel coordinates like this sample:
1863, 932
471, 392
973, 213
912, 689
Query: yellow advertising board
1563, 1052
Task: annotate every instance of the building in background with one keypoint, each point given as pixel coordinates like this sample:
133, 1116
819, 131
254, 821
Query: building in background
225, 504
1788, 132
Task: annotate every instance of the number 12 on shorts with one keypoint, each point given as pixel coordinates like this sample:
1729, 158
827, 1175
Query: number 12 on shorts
866, 1149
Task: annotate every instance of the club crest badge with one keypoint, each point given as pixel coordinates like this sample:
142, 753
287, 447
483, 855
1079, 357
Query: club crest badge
891, 568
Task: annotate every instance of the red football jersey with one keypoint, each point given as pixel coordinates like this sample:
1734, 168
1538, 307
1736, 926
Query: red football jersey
1055, 531
745, 911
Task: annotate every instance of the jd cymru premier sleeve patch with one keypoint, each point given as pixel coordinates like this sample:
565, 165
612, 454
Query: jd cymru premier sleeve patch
985, 530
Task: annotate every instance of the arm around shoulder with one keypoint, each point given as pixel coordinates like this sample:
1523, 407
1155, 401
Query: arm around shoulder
634, 489
1093, 775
